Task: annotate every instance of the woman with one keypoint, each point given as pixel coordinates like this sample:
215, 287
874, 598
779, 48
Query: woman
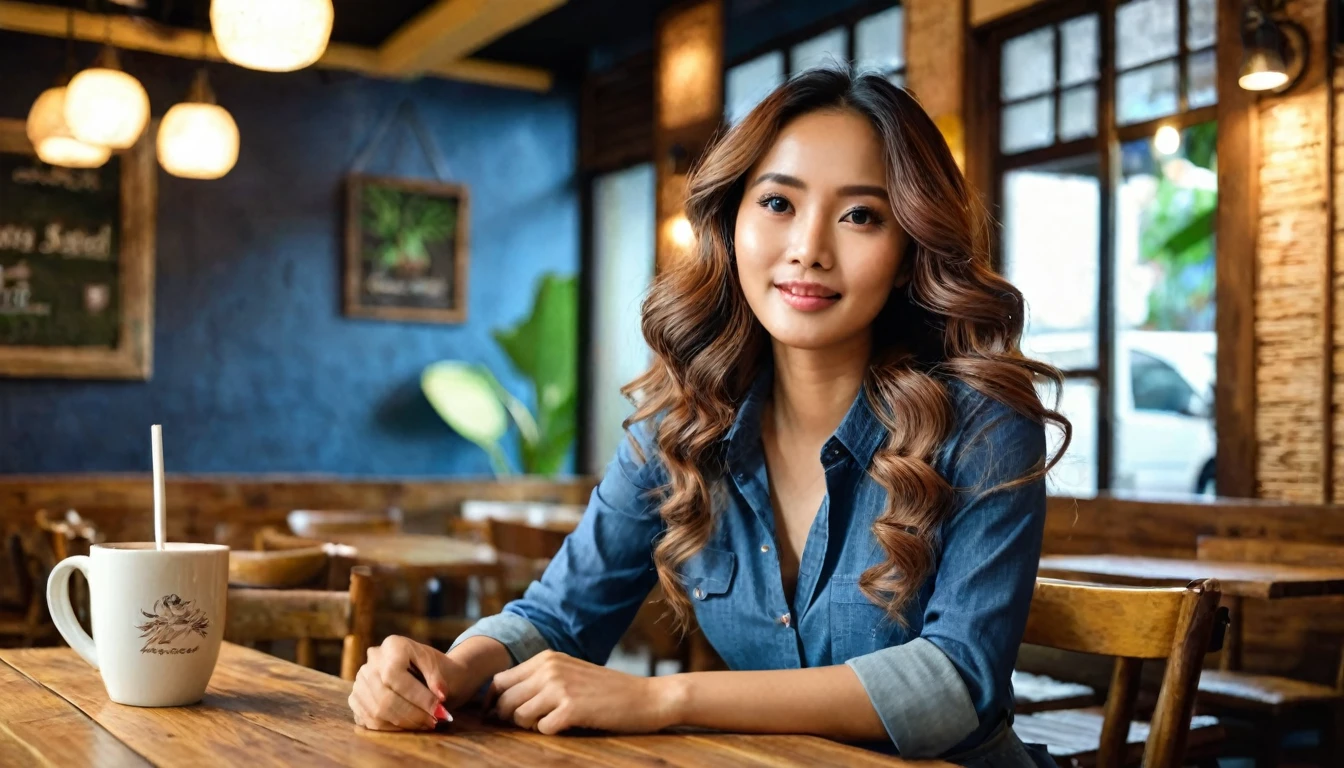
836, 465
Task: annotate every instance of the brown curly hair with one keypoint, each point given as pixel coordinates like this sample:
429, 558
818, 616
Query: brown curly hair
954, 318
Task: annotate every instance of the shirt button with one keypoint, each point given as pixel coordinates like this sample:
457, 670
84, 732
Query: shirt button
765, 547
785, 619
742, 477
699, 594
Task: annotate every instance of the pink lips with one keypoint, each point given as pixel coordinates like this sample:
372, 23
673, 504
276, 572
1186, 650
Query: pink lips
806, 297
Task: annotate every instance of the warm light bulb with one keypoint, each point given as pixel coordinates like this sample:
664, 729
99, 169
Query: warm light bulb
1262, 81
51, 137
683, 234
198, 141
1167, 140
271, 35
104, 105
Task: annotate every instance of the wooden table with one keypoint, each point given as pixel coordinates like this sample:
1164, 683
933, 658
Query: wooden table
261, 711
1254, 580
1239, 581
413, 550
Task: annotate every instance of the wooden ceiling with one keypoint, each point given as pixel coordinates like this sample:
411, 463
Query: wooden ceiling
385, 38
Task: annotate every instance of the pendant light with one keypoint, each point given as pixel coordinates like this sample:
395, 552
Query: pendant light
104, 105
47, 131
271, 35
1274, 52
198, 139
52, 139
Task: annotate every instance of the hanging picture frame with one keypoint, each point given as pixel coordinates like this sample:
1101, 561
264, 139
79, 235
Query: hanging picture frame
406, 243
76, 263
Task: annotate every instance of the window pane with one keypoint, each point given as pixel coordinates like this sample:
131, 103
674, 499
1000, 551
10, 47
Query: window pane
1076, 472
1028, 64
751, 81
897, 79
1144, 94
621, 270
1165, 348
879, 40
1080, 52
1203, 87
1202, 23
1051, 237
829, 49
1078, 113
1145, 30
1028, 125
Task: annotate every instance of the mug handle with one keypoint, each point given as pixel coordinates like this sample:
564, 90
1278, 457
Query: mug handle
62, 613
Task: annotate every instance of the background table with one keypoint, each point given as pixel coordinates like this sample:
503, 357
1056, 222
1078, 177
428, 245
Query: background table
1239, 581
261, 711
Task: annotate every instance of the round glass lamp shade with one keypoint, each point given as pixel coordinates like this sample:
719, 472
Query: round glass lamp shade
106, 106
51, 137
198, 141
271, 35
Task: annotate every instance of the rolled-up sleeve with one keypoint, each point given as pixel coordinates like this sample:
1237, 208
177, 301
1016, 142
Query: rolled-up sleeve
948, 689
592, 589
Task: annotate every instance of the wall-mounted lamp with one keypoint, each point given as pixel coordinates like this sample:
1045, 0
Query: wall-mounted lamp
1274, 51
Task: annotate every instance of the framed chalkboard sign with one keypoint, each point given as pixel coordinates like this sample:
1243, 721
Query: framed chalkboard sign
406, 249
76, 264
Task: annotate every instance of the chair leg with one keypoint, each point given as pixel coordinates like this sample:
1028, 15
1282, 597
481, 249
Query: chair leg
1267, 756
1332, 736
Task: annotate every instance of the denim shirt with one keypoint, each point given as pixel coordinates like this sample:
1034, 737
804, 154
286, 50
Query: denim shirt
940, 684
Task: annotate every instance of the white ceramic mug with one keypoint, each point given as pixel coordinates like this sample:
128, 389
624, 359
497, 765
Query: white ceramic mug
158, 618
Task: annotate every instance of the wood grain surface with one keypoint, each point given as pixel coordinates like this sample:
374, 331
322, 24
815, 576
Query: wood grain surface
1266, 581
261, 711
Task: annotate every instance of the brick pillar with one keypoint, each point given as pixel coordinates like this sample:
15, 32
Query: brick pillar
1291, 290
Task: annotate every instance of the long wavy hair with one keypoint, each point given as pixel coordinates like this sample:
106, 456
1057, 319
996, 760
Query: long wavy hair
953, 318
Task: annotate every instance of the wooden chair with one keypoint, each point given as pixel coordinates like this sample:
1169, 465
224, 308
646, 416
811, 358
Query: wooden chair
314, 523
1034, 693
1132, 624
279, 569
1277, 704
23, 615
70, 534
305, 615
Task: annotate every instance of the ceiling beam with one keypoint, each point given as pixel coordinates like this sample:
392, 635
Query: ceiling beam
138, 34
450, 30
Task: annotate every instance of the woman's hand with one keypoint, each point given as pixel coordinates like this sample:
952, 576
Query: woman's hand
552, 692
388, 697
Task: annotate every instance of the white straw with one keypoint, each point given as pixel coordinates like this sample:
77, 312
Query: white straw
160, 525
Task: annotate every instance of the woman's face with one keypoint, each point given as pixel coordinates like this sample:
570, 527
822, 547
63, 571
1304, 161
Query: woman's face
817, 246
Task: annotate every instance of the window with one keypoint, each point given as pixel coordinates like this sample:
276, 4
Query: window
1106, 189
873, 41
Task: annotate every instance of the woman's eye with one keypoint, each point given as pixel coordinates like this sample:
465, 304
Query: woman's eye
862, 217
776, 204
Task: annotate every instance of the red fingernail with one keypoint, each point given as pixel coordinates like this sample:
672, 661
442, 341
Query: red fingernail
441, 713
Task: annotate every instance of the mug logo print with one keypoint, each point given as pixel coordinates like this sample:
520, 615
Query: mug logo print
172, 618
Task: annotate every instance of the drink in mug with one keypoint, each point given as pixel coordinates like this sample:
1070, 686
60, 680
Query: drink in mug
158, 618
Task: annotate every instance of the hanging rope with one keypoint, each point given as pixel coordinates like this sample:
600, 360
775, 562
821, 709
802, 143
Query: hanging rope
406, 112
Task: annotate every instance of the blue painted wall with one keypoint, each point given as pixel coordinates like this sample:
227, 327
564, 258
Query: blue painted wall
255, 367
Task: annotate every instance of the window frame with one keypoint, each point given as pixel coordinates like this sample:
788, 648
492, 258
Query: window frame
989, 164
848, 19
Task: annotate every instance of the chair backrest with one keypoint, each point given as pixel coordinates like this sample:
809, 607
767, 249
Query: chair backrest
1270, 551
68, 532
1133, 624
305, 615
279, 569
315, 523
523, 540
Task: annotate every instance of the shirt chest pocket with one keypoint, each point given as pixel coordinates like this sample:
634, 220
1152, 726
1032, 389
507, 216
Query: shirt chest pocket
709, 579
858, 626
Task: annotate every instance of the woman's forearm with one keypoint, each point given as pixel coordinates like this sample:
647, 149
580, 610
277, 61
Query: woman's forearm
826, 701
479, 659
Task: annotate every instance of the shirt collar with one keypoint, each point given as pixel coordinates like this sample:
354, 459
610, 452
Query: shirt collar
860, 432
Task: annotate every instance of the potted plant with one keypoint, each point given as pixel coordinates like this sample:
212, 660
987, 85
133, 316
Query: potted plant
544, 349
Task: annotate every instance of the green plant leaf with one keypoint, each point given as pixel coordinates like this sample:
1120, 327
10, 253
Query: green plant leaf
544, 348
466, 397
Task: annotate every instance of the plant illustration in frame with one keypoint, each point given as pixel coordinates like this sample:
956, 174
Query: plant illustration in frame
406, 250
